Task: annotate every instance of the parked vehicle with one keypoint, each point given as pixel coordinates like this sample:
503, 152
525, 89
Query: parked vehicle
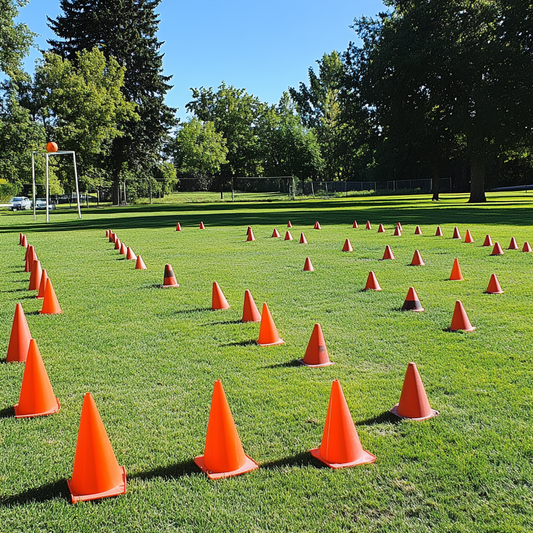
40, 203
19, 202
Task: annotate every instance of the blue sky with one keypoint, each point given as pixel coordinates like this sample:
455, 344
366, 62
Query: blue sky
264, 46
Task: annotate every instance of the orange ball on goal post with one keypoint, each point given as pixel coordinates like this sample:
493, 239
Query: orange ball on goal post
51, 147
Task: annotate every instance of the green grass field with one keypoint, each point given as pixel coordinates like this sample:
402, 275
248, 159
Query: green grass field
150, 358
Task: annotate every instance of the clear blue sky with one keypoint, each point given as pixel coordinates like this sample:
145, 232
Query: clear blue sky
264, 46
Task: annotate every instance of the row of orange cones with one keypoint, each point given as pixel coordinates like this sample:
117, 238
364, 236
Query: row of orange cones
125, 250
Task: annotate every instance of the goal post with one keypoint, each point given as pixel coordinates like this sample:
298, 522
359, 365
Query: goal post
274, 181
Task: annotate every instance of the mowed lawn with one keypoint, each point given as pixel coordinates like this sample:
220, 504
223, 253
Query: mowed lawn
150, 357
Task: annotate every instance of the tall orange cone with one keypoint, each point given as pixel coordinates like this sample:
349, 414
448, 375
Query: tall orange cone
456, 274
368, 225
250, 313
288, 236
494, 286
111, 237
123, 249
497, 250
139, 265
347, 246
24, 241
527, 247
268, 334
303, 240
117, 244
130, 255
487, 241
96, 473
417, 259
50, 303
275, 233
289, 224
169, 279
316, 353
412, 303
381, 228
355, 225
21, 235
30, 258
414, 403
513, 244
340, 446
372, 283
202, 225
35, 277
308, 266
418, 231
397, 232
19, 341
317, 225
178, 227
42, 285
107, 232
223, 453
468, 237
388, 253
218, 300
250, 235
460, 319
36, 394
399, 226
456, 234
438, 233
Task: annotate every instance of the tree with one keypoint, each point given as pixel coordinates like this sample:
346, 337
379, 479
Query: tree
125, 30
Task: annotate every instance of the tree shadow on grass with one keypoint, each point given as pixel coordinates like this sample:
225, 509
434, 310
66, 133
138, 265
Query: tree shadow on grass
8, 412
302, 459
384, 418
174, 471
57, 489
288, 364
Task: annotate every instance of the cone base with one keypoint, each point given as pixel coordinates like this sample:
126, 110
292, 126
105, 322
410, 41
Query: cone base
394, 411
302, 362
494, 292
365, 458
412, 306
169, 286
248, 466
251, 320
280, 341
54, 409
221, 308
115, 491
472, 328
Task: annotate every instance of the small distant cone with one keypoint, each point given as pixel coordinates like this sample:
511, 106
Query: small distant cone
317, 225
340, 446
308, 267
497, 250
488, 241
202, 226
21, 237
397, 232
527, 247
250, 313
30, 252
494, 286
19, 341
35, 277
317, 353
388, 253
139, 265
468, 237
50, 303
42, 285
36, 394
289, 224
117, 244
414, 403
250, 235
368, 225
96, 473
275, 233
169, 279
417, 259
223, 453
456, 234
107, 232
123, 249
412, 303
130, 255
438, 233
288, 236
399, 226
372, 283
460, 319
513, 244
24, 241
347, 246
218, 300
418, 231
268, 334
111, 237
381, 228
456, 274
303, 240
355, 225
178, 227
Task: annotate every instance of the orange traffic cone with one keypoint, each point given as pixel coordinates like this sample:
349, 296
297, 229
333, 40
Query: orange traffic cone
527, 247
418, 231
317, 353
36, 394
250, 313
513, 244
35, 277
202, 226
288, 236
340, 446
368, 225
456, 274
19, 341
468, 237
24, 241
21, 236
111, 237
308, 266
399, 226
438, 233
169, 279
107, 232
347, 246
317, 225
289, 224
117, 244
30, 258
417, 259
42, 285
414, 403
139, 265
130, 255
488, 241
372, 283
412, 303
381, 228
250, 235
388, 253
460, 319
50, 303
268, 334
494, 286
355, 225
456, 234
497, 250
223, 453
96, 473
397, 232
303, 240
275, 233
178, 227
123, 249
218, 300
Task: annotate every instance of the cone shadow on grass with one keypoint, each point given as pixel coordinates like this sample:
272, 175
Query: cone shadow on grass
384, 418
8, 412
44, 493
287, 364
301, 459
249, 342
173, 471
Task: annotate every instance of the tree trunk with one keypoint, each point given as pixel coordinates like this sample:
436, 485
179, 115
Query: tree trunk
477, 170
436, 180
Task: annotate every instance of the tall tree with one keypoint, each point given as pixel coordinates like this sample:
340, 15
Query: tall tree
125, 30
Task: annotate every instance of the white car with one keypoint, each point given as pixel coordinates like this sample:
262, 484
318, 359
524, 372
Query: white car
19, 202
40, 203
